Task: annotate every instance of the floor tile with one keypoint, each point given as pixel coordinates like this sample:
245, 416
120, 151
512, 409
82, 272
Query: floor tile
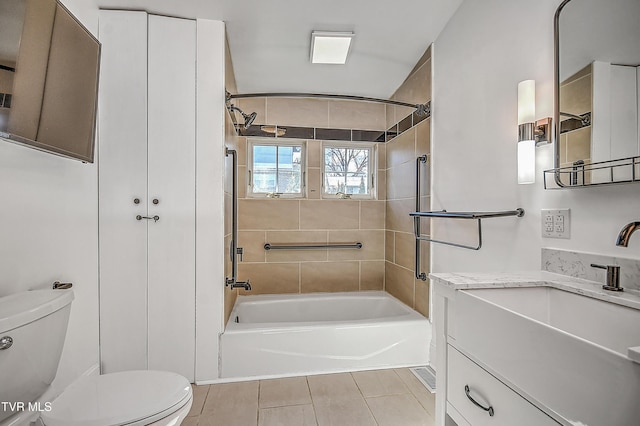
231, 404
368, 398
281, 392
351, 412
379, 383
295, 415
424, 397
190, 421
199, 396
333, 387
394, 410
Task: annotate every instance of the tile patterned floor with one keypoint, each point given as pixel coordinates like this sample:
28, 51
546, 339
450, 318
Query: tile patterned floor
380, 397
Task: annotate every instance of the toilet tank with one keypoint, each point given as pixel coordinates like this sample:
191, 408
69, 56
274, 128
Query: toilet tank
36, 322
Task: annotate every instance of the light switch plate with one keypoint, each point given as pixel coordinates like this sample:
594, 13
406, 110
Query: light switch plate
556, 223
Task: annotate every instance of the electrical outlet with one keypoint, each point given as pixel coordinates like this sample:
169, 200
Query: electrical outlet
556, 223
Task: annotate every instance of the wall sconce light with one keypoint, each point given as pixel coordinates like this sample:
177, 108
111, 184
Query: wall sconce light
530, 132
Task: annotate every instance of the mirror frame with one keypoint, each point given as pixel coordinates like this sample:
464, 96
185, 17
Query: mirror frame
556, 92
634, 161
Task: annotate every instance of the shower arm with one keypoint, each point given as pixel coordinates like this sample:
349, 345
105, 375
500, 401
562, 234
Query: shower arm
421, 109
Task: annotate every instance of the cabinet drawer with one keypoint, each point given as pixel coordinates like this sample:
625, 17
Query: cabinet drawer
508, 407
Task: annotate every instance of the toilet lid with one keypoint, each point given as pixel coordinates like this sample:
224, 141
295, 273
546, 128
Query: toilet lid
118, 399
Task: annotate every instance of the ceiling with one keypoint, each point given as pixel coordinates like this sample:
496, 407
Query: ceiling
270, 40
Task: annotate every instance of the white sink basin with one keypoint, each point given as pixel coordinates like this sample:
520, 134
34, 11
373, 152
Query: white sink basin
564, 350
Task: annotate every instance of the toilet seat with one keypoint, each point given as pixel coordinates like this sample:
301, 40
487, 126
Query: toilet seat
117, 399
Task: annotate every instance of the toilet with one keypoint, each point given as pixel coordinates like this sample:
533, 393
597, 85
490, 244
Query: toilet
33, 325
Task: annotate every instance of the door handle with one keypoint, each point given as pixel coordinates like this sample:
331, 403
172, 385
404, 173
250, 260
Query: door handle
476, 403
155, 218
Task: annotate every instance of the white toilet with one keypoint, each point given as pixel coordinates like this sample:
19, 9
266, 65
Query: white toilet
33, 325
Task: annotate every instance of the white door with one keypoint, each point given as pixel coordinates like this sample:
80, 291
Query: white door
171, 177
122, 176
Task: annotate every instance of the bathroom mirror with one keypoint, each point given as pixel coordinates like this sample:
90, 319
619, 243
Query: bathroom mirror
597, 58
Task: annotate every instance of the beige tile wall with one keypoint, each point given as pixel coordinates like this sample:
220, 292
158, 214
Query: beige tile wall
311, 112
311, 220
415, 89
231, 142
401, 155
382, 225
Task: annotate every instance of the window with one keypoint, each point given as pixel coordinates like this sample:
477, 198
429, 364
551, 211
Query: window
348, 169
276, 169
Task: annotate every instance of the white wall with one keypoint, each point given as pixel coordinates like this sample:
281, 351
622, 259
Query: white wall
210, 157
49, 232
479, 58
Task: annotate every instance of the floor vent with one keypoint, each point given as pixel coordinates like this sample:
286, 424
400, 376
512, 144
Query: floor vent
427, 377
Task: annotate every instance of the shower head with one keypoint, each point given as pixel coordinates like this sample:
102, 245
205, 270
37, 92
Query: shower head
248, 118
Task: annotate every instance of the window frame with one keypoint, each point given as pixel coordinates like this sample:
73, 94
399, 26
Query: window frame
251, 142
372, 175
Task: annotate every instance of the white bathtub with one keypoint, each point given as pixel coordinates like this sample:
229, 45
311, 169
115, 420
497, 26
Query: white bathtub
302, 334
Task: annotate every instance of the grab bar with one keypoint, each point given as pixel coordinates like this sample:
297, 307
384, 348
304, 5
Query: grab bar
234, 249
416, 220
269, 246
519, 212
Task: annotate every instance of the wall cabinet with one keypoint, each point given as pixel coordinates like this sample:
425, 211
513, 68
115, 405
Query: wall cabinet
146, 158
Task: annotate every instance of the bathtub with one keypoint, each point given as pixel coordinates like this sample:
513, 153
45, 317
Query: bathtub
303, 334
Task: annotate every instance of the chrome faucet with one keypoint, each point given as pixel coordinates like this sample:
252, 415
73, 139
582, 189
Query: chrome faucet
625, 233
246, 285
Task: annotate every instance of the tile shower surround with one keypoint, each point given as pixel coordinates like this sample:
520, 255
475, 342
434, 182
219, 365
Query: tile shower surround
382, 225
353, 135
576, 264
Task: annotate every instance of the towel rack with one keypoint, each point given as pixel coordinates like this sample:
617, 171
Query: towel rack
519, 212
269, 246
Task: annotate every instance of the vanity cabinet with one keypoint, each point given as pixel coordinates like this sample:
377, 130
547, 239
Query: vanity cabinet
507, 407
458, 374
147, 199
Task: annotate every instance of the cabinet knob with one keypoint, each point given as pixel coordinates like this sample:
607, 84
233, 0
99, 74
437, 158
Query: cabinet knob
155, 201
136, 201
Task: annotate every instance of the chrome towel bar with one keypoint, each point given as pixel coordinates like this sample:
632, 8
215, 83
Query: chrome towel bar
519, 212
269, 246
469, 215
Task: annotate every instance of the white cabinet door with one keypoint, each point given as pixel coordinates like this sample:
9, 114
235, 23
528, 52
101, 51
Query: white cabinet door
122, 157
171, 177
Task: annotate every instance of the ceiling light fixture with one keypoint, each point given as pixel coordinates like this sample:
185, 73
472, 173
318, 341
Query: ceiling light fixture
330, 47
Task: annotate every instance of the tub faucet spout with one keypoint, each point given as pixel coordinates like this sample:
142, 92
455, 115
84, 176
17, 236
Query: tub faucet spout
625, 233
246, 285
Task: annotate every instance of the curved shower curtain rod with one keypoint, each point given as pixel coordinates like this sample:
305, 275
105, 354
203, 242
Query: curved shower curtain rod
421, 109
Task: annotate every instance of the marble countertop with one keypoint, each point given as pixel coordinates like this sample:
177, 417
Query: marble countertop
470, 280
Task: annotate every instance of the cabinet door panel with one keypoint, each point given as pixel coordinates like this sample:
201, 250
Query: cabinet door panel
171, 174
122, 152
